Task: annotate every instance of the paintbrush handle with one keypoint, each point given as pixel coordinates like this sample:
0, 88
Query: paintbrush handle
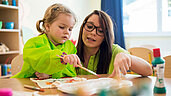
82, 68
120, 76
33, 88
88, 70
60, 56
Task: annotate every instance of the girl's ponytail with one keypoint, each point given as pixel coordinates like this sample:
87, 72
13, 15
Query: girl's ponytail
38, 27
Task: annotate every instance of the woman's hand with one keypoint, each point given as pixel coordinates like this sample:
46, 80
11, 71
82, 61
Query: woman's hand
72, 59
122, 63
42, 75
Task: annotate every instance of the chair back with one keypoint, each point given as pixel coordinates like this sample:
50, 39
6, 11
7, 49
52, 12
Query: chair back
16, 64
167, 71
142, 52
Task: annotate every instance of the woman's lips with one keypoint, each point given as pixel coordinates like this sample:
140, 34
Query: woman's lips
91, 39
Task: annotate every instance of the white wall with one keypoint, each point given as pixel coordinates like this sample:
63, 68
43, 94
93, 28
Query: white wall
162, 42
33, 10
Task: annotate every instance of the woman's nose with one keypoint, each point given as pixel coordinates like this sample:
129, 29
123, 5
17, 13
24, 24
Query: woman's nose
94, 31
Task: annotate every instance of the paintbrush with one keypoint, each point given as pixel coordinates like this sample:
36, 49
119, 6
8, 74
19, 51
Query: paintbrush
83, 68
88, 70
118, 76
33, 88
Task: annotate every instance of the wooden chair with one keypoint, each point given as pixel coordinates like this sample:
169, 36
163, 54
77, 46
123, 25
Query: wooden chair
16, 64
142, 52
167, 71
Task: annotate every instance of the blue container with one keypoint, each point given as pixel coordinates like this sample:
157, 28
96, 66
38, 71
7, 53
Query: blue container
4, 69
9, 25
13, 2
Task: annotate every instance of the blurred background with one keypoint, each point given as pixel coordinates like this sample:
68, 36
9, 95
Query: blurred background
144, 22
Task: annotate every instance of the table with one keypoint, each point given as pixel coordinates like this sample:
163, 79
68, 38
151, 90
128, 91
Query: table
16, 84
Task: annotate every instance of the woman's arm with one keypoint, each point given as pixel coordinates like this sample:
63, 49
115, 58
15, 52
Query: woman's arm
140, 66
124, 62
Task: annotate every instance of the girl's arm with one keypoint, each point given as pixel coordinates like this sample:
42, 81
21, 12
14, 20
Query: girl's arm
40, 56
72, 59
43, 60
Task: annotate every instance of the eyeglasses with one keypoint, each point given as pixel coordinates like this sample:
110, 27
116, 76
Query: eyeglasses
89, 26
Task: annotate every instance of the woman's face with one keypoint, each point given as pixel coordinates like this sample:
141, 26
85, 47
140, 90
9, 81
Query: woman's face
92, 33
60, 30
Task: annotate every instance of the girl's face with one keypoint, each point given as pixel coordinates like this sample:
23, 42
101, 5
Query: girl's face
60, 30
91, 32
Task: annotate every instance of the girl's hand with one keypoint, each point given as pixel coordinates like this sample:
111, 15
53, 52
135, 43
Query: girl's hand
122, 63
72, 59
42, 75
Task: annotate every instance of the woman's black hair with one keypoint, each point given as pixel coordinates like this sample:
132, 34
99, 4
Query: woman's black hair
105, 47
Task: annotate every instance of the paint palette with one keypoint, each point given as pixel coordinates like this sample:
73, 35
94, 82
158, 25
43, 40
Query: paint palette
53, 83
93, 86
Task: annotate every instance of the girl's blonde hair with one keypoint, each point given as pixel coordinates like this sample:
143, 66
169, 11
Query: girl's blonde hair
51, 14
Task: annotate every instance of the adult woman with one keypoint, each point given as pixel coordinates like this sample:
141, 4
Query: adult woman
97, 52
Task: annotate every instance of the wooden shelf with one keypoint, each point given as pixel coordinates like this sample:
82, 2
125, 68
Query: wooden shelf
2, 6
7, 76
9, 30
10, 37
9, 52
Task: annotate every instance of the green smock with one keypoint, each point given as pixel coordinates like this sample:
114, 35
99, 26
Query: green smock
93, 61
39, 55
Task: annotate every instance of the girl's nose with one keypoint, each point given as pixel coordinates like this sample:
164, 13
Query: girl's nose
66, 31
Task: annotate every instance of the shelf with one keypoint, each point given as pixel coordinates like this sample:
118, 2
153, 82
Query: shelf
10, 37
7, 76
9, 52
9, 30
2, 6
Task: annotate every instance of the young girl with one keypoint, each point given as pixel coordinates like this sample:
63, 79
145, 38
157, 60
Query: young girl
40, 53
98, 53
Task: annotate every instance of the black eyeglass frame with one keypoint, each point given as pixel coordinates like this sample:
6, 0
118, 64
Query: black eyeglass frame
94, 27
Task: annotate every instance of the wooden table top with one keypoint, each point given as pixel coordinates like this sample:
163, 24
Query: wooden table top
17, 85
